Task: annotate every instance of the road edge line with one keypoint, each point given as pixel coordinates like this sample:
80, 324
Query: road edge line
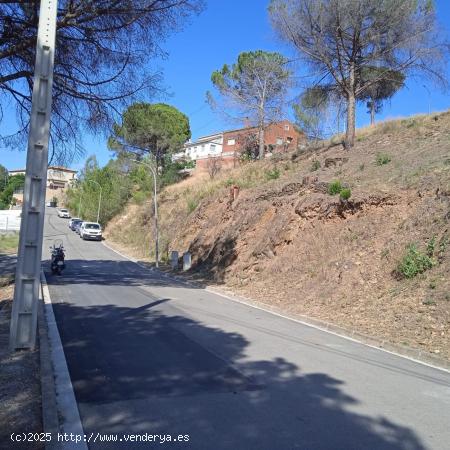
354, 336
66, 404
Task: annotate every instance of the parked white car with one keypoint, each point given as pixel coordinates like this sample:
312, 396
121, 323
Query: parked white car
91, 230
64, 213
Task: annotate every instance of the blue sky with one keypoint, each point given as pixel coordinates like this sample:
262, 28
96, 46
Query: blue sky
217, 36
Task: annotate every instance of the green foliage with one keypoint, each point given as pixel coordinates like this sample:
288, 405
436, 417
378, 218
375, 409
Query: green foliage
315, 165
116, 188
382, 159
15, 182
272, 174
345, 194
414, 262
3, 177
431, 246
309, 112
156, 129
335, 187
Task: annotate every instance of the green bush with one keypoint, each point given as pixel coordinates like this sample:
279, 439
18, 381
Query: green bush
315, 165
272, 174
345, 194
414, 262
335, 187
382, 159
139, 197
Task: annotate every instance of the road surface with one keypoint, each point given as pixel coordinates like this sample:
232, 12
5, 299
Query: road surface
150, 355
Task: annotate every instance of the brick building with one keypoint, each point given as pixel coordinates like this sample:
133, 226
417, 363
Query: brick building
278, 137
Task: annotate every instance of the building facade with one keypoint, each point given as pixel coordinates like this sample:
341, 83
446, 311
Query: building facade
58, 180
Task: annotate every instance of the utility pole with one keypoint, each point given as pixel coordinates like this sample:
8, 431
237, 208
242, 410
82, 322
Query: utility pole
26, 293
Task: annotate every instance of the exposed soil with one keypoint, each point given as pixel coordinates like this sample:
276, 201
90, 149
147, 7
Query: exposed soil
20, 389
290, 244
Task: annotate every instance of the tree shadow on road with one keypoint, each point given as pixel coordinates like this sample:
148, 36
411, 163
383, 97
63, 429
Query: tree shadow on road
142, 370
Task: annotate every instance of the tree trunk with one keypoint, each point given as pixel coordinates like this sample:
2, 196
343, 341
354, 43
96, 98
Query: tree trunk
261, 143
372, 112
350, 131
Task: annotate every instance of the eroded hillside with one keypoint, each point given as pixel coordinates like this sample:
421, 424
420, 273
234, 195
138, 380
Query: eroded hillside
285, 241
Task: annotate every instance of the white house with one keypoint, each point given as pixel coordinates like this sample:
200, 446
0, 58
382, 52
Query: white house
204, 147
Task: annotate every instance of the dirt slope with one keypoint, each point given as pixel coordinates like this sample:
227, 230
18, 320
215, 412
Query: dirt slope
288, 243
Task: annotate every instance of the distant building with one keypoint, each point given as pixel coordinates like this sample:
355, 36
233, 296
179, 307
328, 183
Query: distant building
58, 180
229, 145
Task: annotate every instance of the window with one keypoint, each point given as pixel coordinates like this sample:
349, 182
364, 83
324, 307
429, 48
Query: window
212, 148
286, 127
231, 141
279, 141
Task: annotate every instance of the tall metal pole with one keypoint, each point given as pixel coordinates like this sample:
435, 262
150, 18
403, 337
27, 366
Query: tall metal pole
26, 293
155, 203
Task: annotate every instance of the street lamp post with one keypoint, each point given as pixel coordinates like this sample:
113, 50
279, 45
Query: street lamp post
155, 202
99, 198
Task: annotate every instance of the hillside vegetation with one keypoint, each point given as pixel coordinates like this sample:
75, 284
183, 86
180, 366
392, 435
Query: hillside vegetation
375, 257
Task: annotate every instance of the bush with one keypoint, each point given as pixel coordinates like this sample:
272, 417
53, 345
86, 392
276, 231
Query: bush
272, 174
414, 262
335, 187
315, 165
345, 194
382, 159
139, 197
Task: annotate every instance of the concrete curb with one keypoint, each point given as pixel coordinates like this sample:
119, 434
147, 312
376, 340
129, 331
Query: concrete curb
416, 355
68, 416
50, 420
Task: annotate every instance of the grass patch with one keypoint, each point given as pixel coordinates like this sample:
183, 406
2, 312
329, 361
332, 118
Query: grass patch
345, 194
335, 187
272, 174
382, 159
9, 243
414, 262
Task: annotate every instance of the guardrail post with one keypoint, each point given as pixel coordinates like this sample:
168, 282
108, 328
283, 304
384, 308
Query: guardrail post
187, 261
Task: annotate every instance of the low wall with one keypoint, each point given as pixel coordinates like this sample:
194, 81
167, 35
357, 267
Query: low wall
10, 220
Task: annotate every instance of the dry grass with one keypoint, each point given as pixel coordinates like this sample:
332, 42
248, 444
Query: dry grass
9, 243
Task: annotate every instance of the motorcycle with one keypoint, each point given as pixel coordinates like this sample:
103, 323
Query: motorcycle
57, 263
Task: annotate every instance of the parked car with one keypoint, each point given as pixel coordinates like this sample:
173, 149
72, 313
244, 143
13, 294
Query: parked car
91, 230
64, 213
77, 226
73, 221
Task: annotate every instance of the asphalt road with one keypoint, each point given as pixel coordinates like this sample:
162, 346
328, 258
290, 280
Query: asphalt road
150, 355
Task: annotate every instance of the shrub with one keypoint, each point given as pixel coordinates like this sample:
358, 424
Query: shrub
272, 174
382, 159
345, 194
431, 245
192, 204
315, 165
414, 262
139, 197
335, 187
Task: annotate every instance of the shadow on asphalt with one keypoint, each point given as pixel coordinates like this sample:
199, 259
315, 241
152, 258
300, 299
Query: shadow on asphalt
122, 358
